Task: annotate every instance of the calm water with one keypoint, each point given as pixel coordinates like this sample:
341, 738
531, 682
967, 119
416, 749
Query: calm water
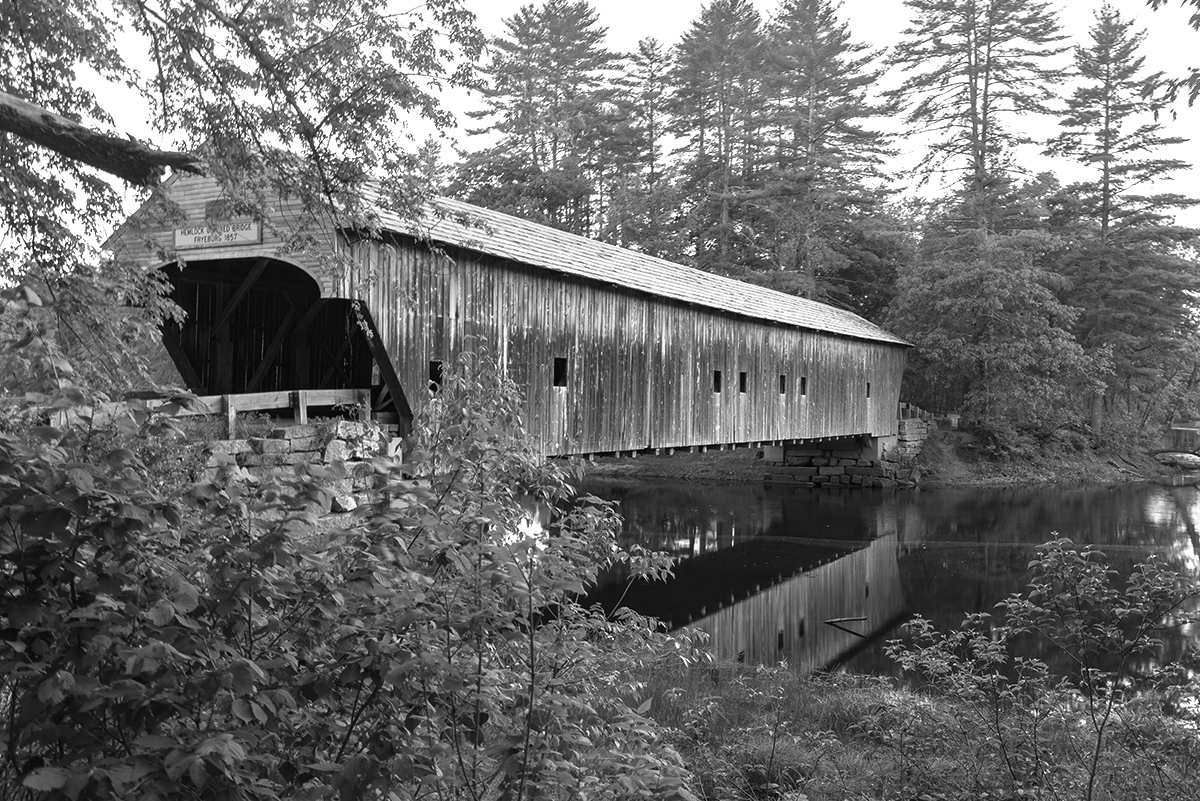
764, 569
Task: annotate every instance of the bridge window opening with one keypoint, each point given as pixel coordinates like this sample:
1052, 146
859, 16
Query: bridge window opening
868, 389
780, 640
560, 371
783, 385
435, 375
800, 629
803, 385
742, 383
716, 380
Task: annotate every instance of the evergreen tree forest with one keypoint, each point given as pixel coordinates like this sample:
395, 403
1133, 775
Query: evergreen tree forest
764, 146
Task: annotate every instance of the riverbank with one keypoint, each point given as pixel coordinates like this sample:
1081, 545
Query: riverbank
950, 458
769, 733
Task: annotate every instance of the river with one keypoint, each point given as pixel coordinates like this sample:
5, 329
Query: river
764, 570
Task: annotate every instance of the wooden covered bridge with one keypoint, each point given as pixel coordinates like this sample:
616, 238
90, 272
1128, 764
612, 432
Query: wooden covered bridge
615, 351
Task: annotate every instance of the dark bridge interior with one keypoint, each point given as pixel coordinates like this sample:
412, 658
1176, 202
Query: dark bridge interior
260, 325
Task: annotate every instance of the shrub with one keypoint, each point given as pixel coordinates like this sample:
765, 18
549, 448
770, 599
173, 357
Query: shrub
1034, 733
212, 643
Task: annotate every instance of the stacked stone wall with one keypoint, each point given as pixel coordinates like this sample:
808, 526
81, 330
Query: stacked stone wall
851, 464
911, 436
817, 466
349, 446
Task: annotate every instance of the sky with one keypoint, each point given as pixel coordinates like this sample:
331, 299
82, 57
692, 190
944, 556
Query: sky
1171, 46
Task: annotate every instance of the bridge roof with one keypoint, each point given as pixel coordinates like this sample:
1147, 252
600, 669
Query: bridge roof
454, 222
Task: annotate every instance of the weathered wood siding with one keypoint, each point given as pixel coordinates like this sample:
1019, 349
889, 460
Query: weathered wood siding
640, 369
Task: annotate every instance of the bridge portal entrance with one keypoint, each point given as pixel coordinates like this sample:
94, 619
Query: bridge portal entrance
260, 325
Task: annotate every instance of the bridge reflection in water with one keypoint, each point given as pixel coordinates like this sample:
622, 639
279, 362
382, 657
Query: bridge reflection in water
816, 616
769, 581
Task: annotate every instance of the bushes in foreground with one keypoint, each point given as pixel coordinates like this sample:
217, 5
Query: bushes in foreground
216, 644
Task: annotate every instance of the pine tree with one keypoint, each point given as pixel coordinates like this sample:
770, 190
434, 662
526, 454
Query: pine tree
546, 95
971, 64
1128, 270
643, 201
715, 111
821, 168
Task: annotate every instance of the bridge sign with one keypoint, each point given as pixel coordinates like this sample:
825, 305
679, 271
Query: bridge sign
241, 232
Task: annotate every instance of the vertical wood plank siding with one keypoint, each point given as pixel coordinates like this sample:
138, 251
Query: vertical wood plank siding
639, 368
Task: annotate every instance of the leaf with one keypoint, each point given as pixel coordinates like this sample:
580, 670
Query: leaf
223, 745
184, 595
244, 674
161, 613
46, 779
156, 741
241, 710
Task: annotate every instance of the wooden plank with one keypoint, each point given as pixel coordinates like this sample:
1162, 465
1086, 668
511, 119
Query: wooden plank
245, 286
268, 357
300, 403
332, 397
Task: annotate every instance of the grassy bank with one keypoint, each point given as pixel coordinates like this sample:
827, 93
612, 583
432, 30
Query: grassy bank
758, 733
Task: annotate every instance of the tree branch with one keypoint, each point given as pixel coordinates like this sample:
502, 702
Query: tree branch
128, 159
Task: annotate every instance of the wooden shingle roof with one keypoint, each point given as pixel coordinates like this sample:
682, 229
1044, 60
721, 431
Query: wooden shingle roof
454, 222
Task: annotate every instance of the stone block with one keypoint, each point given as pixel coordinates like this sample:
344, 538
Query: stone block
865, 471
296, 432
832, 471
343, 503
307, 444
820, 479
799, 461
864, 463
267, 445
347, 429
336, 451
819, 461
856, 480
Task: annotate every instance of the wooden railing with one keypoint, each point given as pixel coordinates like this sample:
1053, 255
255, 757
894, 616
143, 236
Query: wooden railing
299, 401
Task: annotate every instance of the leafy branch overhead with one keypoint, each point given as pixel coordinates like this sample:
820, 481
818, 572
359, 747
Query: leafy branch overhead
307, 100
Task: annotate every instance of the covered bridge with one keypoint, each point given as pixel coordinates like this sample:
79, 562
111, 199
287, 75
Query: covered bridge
614, 350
